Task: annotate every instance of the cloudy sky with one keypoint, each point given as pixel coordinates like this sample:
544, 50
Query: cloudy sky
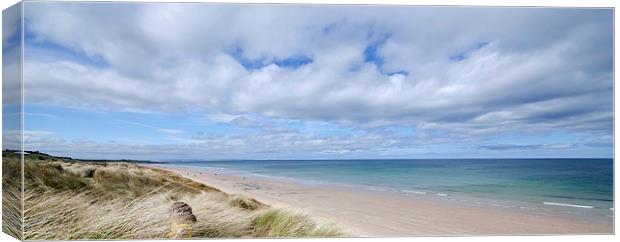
212, 81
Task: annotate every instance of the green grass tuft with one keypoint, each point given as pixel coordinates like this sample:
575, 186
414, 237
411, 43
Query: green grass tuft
244, 203
281, 223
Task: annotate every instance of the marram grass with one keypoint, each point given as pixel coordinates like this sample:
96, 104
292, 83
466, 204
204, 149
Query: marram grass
68, 200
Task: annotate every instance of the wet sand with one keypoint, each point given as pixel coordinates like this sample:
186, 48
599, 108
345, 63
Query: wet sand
377, 214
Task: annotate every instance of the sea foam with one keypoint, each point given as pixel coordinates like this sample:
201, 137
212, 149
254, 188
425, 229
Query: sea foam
567, 205
412, 191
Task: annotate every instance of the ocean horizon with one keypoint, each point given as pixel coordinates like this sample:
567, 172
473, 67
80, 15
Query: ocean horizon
581, 187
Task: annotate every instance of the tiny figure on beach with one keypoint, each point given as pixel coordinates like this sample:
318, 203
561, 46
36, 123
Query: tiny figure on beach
243, 177
215, 174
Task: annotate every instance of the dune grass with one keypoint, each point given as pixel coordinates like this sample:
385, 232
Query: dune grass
11, 195
66, 200
281, 223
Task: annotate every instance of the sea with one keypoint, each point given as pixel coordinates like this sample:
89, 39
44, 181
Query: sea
572, 187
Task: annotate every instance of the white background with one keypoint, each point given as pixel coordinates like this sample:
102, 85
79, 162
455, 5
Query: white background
538, 3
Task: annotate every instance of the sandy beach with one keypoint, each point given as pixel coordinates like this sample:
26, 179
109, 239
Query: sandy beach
376, 214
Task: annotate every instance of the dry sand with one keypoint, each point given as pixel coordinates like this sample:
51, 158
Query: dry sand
377, 214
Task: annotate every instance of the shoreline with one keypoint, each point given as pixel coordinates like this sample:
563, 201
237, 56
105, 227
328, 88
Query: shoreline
369, 213
550, 207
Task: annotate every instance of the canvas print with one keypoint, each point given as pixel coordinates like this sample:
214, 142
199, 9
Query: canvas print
138, 120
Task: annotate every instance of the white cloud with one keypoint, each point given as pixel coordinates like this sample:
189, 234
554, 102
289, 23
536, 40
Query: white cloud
269, 144
519, 67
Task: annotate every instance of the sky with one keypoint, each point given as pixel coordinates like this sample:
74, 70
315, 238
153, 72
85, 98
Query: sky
206, 81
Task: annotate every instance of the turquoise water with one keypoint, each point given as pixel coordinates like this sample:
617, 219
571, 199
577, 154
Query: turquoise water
581, 187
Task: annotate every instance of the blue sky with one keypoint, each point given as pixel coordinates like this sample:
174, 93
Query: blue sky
211, 81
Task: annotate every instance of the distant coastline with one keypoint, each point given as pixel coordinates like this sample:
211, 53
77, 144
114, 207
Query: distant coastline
40, 155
